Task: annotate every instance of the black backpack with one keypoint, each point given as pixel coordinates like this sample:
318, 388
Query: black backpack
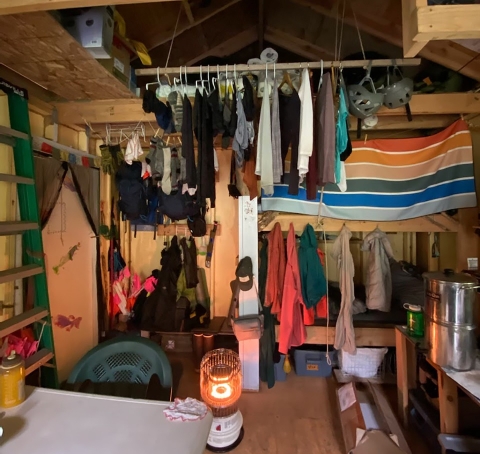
132, 191
133, 199
178, 206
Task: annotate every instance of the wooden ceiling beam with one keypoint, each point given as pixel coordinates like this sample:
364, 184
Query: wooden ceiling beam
296, 45
433, 105
188, 11
411, 46
29, 6
387, 27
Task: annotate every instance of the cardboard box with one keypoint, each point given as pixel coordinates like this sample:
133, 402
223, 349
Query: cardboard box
93, 29
368, 422
119, 63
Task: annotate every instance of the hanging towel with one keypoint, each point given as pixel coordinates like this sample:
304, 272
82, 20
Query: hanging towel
276, 136
292, 330
342, 184
276, 270
341, 134
188, 151
314, 284
379, 278
166, 179
240, 139
264, 165
305, 144
344, 333
326, 134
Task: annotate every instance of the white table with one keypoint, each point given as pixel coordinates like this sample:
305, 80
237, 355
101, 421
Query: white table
60, 422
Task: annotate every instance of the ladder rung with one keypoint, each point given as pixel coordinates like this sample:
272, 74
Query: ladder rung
9, 132
13, 227
19, 273
37, 360
19, 321
9, 178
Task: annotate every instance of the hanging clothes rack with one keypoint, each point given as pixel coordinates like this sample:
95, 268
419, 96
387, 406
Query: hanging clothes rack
286, 66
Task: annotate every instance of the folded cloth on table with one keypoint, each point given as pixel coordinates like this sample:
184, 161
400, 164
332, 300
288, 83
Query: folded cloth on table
188, 409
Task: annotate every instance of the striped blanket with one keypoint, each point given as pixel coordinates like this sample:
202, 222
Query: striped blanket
393, 179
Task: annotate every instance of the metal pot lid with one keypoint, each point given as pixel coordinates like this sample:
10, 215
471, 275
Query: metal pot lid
448, 276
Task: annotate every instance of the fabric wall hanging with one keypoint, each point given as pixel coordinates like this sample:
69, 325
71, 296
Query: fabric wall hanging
394, 179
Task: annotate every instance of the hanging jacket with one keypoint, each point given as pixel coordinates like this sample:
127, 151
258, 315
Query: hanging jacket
189, 262
314, 284
379, 278
267, 341
320, 310
344, 333
240, 139
292, 330
276, 270
305, 143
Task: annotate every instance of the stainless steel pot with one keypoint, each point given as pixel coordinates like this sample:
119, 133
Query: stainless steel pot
451, 318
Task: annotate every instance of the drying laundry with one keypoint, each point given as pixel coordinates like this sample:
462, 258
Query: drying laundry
264, 166
134, 149
344, 333
379, 277
292, 330
305, 142
240, 140
341, 136
276, 136
276, 270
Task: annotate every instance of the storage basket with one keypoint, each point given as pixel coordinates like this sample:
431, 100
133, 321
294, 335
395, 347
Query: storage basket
364, 364
313, 363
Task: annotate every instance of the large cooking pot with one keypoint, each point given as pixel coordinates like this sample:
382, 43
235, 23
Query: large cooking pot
451, 318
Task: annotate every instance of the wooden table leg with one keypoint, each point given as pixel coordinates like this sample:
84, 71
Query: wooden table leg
448, 403
406, 373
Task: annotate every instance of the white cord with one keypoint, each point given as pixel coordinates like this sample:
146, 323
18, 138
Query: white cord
173, 37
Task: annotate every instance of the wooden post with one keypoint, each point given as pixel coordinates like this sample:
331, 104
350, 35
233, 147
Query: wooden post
406, 372
448, 403
248, 247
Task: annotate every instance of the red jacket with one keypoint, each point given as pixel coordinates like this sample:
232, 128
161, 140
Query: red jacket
276, 270
292, 329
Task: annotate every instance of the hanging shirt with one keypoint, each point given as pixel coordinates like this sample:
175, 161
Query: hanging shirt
264, 165
341, 134
292, 330
276, 136
344, 333
326, 134
240, 139
305, 144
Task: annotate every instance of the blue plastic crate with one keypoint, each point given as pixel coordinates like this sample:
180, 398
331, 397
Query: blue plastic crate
280, 374
313, 363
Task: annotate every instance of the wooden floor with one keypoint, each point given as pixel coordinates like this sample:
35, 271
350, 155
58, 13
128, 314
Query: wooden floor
298, 416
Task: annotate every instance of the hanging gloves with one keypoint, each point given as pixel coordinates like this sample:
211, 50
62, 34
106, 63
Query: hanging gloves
117, 155
107, 161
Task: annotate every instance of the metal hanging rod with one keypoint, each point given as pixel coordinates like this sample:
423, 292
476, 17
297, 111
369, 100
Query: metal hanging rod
281, 66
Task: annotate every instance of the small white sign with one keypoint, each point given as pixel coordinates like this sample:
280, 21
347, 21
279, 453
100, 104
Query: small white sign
472, 263
119, 65
346, 396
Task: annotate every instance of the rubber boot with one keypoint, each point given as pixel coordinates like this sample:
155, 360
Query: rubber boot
197, 350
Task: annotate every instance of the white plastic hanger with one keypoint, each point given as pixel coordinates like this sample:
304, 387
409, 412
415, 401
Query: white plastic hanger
320, 82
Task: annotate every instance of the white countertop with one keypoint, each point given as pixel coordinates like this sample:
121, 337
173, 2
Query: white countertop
469, 381
60, 422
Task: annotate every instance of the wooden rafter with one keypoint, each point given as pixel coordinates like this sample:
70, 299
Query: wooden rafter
386, 25
218, 35
411, 46
188, 11
130, 110
29, 6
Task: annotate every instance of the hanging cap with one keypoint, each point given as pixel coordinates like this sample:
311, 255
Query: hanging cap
245, 271
269, 55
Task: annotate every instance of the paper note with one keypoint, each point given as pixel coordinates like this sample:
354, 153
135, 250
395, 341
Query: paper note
346, 396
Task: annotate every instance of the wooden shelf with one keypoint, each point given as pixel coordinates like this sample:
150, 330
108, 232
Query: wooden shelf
434, 223
14, 227
15, 323
9, 178
19, 273
37, 360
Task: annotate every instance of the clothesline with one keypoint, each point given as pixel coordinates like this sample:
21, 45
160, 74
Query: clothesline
282, 66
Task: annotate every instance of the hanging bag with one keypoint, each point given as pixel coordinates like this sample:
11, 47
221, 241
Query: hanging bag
245, 327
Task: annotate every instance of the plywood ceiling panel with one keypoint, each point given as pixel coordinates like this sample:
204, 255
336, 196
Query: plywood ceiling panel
36, 46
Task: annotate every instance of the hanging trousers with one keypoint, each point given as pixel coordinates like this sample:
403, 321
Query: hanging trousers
290, 131
187, 144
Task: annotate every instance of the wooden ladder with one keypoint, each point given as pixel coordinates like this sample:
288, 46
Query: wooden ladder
33, 264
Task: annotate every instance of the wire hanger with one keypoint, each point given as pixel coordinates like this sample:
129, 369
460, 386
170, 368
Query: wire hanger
320, 82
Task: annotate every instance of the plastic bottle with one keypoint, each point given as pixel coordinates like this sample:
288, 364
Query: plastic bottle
12, 381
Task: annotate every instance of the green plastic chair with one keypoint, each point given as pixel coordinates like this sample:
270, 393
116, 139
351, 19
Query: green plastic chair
125, 359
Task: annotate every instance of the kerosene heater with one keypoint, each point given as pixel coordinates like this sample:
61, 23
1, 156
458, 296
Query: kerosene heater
221, 388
